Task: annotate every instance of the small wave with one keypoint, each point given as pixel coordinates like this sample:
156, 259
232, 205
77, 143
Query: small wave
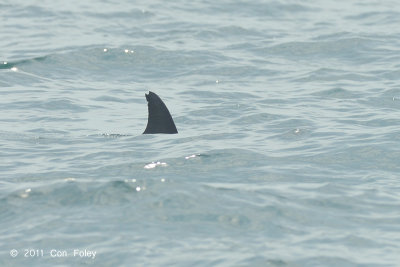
337, 92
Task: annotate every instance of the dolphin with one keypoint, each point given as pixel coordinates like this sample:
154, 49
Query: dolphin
159, 120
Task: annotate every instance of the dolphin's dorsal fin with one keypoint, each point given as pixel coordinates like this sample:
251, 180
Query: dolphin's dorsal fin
160, 120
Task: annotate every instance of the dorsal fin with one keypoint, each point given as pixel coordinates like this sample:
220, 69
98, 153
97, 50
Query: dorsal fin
159, 120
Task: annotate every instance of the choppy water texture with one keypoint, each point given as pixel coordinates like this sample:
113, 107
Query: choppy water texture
288, 147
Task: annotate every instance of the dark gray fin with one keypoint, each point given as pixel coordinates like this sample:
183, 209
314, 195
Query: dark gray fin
160, 120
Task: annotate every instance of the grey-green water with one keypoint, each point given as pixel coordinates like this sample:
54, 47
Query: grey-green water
288, 147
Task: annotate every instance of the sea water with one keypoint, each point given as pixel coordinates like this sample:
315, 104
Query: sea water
288, 149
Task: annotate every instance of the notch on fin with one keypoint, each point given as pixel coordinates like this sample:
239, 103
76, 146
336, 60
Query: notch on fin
159, 120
